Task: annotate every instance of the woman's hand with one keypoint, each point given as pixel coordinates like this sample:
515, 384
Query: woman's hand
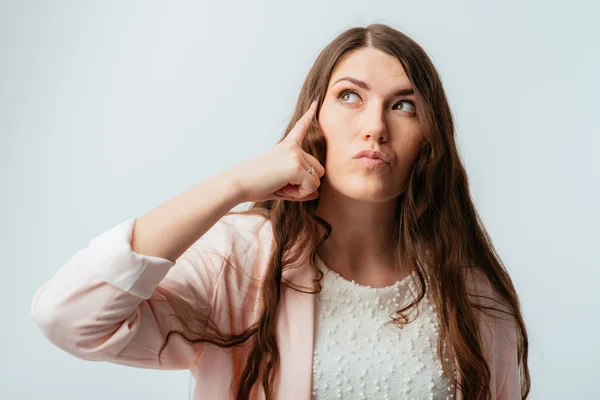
282, 171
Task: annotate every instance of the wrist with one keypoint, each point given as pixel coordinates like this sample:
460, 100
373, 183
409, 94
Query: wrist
233, 185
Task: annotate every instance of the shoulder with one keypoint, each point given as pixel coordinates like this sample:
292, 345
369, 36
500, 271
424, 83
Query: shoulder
483, 294
495, 315
240, 244
234, 233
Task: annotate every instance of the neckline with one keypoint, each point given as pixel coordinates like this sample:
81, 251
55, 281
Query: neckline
400, 283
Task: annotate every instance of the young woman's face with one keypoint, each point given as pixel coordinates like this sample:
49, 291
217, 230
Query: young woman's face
355, 118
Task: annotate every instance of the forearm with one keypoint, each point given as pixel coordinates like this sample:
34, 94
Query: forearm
170, 229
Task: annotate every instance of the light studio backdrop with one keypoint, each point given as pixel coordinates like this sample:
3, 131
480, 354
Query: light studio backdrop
108, 109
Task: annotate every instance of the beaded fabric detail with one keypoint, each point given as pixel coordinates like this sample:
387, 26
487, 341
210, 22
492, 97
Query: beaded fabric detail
358, 356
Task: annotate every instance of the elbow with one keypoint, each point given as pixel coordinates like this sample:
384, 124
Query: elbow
52, 320
81, 325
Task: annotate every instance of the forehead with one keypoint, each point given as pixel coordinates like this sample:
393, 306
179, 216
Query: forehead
373, 66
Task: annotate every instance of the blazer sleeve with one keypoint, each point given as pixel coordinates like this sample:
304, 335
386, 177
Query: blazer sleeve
507, 373
499, 331
108, 303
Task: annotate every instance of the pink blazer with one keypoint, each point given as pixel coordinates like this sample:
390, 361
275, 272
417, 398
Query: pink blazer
108, 303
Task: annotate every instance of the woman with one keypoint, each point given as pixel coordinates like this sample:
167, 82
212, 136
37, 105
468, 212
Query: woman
399, 295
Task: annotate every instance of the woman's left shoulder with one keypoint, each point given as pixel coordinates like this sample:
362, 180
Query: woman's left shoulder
484, 295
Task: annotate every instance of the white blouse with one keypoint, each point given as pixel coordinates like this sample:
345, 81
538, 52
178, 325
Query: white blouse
356, 356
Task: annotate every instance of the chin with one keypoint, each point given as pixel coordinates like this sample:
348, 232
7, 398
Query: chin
367, 189
373, 197
370, 193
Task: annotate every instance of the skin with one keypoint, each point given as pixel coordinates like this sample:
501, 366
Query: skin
360, 201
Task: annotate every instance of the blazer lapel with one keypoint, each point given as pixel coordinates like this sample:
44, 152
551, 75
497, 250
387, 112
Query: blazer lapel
295, 336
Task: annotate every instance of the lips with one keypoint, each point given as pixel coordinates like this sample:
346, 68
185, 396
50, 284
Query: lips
373, 154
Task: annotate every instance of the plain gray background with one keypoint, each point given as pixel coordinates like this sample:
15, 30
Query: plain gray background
109, 109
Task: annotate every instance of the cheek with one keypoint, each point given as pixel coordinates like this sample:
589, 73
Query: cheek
411, 144
336, 134
332, 124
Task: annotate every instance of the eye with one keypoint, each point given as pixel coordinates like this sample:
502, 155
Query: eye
412, 104
343, 93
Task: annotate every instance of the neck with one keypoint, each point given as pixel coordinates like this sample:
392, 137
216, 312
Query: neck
361, 234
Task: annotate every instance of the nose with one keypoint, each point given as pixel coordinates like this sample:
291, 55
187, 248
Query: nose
374, 124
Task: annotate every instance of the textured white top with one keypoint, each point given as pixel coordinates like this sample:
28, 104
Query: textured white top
357, 357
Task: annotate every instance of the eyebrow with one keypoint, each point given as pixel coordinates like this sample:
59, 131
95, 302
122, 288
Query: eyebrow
364, 85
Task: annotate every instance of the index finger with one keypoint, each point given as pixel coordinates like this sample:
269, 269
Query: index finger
299, 130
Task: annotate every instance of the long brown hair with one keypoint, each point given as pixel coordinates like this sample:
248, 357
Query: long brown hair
435, 213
